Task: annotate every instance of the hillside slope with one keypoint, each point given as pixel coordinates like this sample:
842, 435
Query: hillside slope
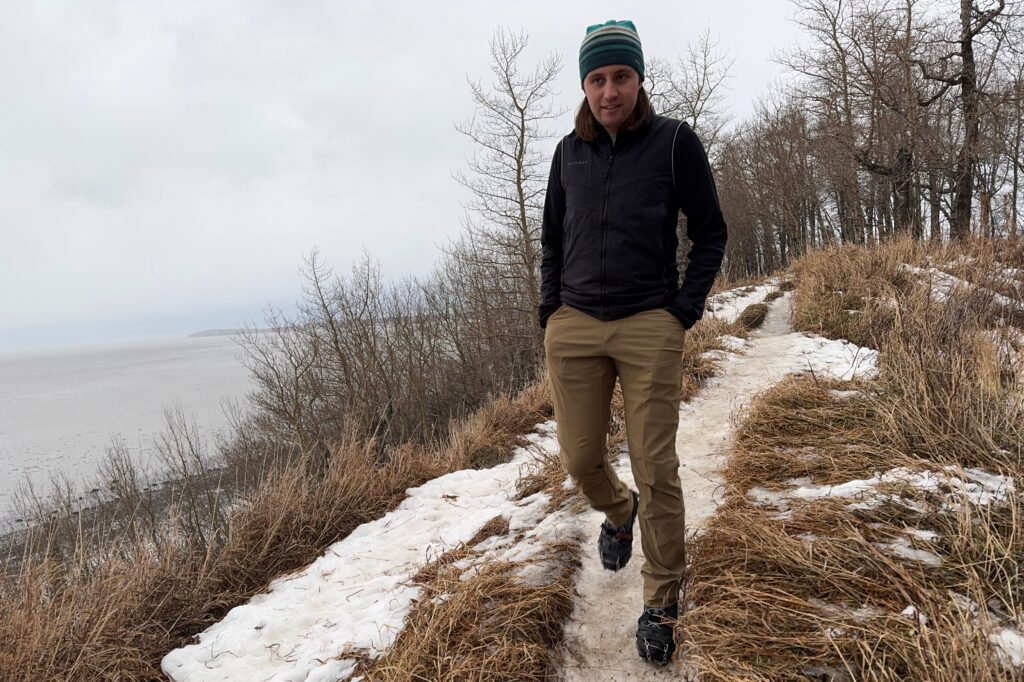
354, 599
852, 513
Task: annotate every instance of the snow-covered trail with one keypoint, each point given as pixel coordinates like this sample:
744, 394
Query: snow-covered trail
314, 624
603, 625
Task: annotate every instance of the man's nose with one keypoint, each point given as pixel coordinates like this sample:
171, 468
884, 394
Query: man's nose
610, 91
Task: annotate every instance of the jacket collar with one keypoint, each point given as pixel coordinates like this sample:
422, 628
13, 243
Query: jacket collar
624, 136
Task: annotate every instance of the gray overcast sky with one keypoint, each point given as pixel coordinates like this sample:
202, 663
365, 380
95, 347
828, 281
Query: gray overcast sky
164, 166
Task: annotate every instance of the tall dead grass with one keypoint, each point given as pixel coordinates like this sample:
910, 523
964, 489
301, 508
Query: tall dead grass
492, 625
102, 592
115, 618
484, 623
814, 590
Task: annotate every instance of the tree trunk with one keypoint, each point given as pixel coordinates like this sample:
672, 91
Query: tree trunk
963, 188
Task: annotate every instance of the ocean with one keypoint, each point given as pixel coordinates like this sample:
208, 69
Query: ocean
60, 409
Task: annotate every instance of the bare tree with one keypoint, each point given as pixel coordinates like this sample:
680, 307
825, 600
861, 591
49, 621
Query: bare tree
508, 176
1015, 152
693, 88
959, 67
827, 90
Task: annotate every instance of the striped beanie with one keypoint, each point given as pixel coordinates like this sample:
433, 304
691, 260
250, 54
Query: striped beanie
613, 42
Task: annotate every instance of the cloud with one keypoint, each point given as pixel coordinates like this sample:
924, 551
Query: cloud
166, 157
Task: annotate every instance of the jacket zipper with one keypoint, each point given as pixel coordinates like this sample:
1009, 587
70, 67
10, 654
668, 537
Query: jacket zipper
604, 229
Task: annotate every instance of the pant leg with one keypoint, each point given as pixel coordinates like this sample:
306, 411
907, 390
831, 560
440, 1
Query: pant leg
582, 380
647, 350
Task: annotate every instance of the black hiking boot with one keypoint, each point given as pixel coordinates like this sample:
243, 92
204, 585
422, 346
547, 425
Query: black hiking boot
615, 545
655, 639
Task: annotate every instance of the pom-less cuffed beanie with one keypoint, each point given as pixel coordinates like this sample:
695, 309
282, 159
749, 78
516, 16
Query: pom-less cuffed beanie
613, 42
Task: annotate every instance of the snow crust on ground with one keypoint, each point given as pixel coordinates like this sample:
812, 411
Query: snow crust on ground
902, 549
728, 305
603, 624
1009, 644
309, 626
914, 614
356, 596
944, 284
971, 485
1007, 640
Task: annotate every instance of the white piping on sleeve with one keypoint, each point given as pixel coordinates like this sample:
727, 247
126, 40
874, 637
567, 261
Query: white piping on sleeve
674, 154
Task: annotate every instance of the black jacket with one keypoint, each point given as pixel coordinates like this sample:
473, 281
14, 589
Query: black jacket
609, 230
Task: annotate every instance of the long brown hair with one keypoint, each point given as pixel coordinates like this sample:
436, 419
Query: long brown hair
587, 125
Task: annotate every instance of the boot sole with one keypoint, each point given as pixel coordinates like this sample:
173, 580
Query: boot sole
615, 566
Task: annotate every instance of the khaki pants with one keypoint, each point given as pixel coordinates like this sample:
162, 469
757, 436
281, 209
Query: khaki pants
584, 356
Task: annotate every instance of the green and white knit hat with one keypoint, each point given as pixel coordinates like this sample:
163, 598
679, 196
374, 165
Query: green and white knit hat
613, 42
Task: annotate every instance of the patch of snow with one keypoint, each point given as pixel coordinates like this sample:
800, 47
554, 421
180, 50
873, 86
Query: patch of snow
1009, 646
845, 395
986, 487
942, 285
902, 548
983, 488
922, 534
964, 603
1007, 641
714, 355
1007, 271
768, 497
733, 344
913, 613
356, 596
858, 613
839, 358
728, 305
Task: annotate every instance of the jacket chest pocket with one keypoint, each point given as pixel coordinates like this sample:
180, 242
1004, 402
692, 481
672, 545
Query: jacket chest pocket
578, 173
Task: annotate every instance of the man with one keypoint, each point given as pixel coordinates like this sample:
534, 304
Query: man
612, 307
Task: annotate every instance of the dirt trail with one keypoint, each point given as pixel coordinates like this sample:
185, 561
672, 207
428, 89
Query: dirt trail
603, 624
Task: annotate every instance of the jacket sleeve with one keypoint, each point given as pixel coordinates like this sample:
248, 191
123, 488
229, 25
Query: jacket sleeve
705, 226
551, 241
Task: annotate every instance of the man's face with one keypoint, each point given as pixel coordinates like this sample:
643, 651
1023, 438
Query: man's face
611, 93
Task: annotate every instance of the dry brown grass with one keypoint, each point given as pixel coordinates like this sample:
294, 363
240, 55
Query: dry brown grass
491, 626
769, 604
835, 281
867, 280
489, 623
799, 427
545, 473
774, 595
115, 619
697, 366
483, 440
753, 316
